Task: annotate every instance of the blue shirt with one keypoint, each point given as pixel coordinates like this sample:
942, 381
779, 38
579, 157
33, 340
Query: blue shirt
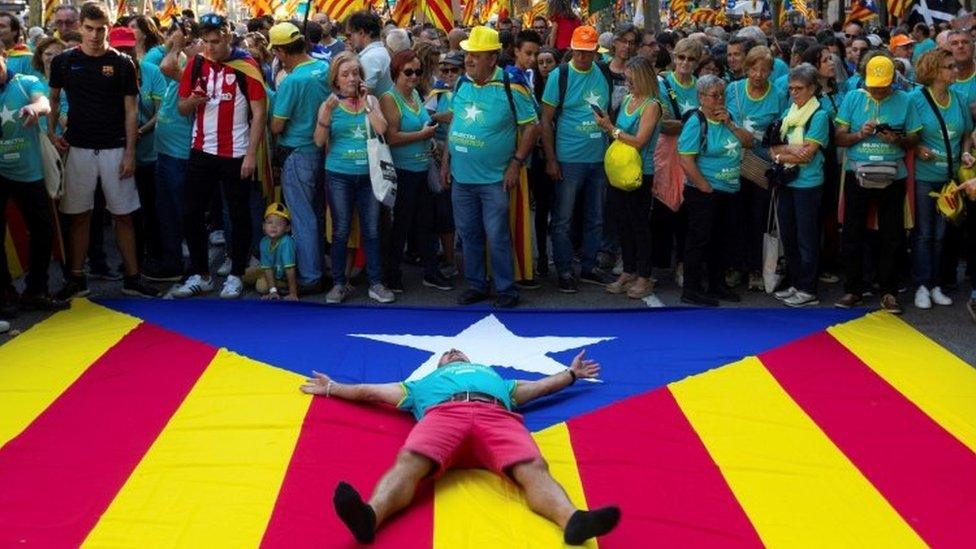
152, 87
457, 377
375, 60
297, 101
812, 173
721, 158
755, 114
780, 69
278, 255
173, 130
578, 138
895, 110
921, 48
686, 97
155, 55
347, 142
482, 134
20, 156
629, 122
958, 122
967, 88
415, 156
21, 64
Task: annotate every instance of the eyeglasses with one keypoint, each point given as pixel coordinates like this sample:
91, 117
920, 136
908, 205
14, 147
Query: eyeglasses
850, 36
649, 44
950, 67
539, 27
627, 42
687, 58
715, 95
794, 89
449, 70
411, 72
212, 20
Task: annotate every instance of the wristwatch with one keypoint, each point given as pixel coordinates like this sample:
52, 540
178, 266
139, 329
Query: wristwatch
616, 133
521, 161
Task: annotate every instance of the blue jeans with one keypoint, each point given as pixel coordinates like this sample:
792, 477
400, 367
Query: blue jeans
170, 180
480, 210
302, 187
798, 211
927, 235
346, 192
581, 181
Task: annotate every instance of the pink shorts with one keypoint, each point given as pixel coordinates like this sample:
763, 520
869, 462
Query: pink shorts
472, 435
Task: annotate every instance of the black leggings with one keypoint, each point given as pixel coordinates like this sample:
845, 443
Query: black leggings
630, 211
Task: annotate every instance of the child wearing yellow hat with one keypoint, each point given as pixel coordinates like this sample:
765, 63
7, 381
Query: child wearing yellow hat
277, 272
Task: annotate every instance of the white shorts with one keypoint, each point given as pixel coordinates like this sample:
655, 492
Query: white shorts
82, 171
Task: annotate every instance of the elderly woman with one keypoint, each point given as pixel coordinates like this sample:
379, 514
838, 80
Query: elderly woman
710, 149
876, 124
756, 103
937, 107
342, 130
804, 129
638, 123
408, 133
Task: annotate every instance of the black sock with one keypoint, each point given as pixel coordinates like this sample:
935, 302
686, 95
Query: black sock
355, 513
584, 525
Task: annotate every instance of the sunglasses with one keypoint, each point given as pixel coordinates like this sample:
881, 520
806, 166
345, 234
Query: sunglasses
949, 67
411, 72
449, 70
539, 28
212, 20
686, 58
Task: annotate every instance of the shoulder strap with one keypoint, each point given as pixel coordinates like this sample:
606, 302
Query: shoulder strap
563, 82
702, 129
605, 69
942, 126
196, 68
672, 97
507, 82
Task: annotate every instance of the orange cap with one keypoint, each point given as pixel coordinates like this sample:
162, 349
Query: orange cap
899, 40
585, 38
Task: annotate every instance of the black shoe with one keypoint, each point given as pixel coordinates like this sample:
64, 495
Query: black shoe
724, 293
542, 271
135, 288
73, 287
567, 285
471, 296
697, 298
584, 525
358, 516
395, 285
103, 272
528, 284
42, 302
506, 301
311, 288
595, 276
436, 281
162, 275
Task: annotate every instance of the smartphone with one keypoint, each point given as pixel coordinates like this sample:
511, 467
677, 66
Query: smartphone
597, 110
431, 122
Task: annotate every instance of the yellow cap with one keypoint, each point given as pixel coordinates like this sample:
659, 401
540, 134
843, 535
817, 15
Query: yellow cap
279, 209
482, 39
622, 162
283, 34
879, 73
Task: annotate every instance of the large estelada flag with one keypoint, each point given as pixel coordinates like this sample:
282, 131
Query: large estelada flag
161, 423
932, 11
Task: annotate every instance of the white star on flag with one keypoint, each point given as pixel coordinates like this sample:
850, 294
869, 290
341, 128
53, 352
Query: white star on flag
6, 115
490, 342
471, 112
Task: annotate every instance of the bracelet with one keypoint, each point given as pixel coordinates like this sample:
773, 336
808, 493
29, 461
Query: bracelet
328, 390
521, 161
616, 133
571, 374
323, 124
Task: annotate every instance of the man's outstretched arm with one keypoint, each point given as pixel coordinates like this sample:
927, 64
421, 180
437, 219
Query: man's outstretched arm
321, 384
581, 368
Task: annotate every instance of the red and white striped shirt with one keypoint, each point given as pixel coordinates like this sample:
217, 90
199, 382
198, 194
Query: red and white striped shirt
221, 126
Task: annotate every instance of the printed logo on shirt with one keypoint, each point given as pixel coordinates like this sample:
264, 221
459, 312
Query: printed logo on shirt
108, 70
230, 78
472, 113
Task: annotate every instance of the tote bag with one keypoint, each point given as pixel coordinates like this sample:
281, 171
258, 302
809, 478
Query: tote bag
772, 268
382, 174
669, 178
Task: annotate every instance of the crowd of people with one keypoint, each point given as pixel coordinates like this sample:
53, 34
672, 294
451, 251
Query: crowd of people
266, 138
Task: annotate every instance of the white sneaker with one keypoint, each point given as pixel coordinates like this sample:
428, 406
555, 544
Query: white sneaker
225, 267
233, 288
185, 250
679, 275
4, 326
217, 238
195, 285
923, 299
783, 295
381, 293
337, 294
940, 298
801, 299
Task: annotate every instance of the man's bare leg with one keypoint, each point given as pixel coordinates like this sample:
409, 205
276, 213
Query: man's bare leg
393, 492
547, 498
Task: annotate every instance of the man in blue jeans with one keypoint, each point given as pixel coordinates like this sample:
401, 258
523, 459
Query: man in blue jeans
575, 155
293, 121
484, 161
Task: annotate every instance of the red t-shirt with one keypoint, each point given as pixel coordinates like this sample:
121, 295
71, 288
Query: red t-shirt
221, 126
564, 30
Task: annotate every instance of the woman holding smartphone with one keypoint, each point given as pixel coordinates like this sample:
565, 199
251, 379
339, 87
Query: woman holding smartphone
341, 129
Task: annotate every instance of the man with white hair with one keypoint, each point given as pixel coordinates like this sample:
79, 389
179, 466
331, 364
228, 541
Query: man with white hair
397, 40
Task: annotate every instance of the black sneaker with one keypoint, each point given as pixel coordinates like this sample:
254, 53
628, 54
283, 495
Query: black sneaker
436, 281
567, 285
135, 288
542, 270
692, 297
103, 272
311, 288
42, 302
595, 276
395, 285
162, 275
73, 287
528, 284
471, 296
9, 300
506, 301
724, 293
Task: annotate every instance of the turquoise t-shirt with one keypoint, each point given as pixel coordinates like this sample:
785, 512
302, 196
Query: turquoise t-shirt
20, 157
152, 87
958, 123
831, 102
922, 47
482, 134
457, 377
298, 99
629, 122
22, 64
755, 114
855, 82
155, 55
812, 173
578, 138
279, 255
966, 88
173, 130
347, 142
722, 157
686, 97
62, 108
443, 105
780, 69
895, 110
415, 156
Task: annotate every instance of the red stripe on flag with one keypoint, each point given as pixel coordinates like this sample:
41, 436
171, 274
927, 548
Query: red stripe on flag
926, 474
352, 443
63, 471
644, 455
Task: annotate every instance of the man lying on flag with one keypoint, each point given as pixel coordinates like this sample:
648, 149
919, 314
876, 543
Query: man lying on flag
465, 419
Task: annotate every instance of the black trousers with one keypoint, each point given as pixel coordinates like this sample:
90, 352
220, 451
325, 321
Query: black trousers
754, 207
148, 243
891, 233
543, 194
413, 212
204, 175
668, 230
712, 219
630, 212
32, 201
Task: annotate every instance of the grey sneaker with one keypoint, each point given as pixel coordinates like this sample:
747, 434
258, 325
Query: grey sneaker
379, 292
801, 299
337, 294
783, 295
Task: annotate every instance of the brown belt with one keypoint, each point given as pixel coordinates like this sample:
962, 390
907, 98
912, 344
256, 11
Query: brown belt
472, 396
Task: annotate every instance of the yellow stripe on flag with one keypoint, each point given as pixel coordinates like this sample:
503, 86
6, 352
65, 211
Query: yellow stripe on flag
212, 476
477, 508
794, 484
938, 382
38, 365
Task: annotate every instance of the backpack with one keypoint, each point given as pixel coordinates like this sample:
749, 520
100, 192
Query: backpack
563, 82
673, 98
507, 84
